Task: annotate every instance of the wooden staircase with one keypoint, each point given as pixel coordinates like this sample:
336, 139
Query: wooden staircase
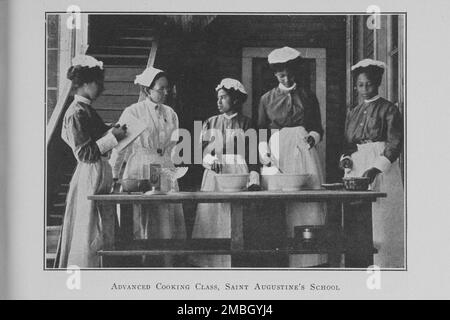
124, 46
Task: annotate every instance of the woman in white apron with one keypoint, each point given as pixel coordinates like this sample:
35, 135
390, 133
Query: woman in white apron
153, 146
373, 143
292, 115
90, 140
219, 138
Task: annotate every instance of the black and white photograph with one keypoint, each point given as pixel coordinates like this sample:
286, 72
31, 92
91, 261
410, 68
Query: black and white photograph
225, 140
224, 151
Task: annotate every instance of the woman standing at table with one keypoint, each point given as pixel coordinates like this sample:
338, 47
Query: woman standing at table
292, 116
221, 138
153, 146
90, 140
373, 143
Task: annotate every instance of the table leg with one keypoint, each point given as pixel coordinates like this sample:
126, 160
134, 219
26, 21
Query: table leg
333, 236
237, 235
358, 234
126, 223
108, 226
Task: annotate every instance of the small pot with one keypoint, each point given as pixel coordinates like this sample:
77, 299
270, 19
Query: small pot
356, 183
229, 182
135, 185
308, 237
307, 232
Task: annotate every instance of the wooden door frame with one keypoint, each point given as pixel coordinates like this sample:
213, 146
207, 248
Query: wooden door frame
320, 57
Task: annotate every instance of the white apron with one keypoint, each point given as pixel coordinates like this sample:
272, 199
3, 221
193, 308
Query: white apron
82, 234
161, 221
213, 220
387, 213
291, 155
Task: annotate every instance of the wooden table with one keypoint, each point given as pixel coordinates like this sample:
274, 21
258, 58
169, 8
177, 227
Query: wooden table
354, 216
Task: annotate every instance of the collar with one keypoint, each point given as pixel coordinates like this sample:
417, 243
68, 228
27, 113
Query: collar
230, 117
372, 99
152, 104
81, 99
286, 89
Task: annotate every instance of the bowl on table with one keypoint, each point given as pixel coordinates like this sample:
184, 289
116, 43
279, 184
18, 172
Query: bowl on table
270, 182
232, 182
356, 183
284, 181
293, 182
333, 186
135, 185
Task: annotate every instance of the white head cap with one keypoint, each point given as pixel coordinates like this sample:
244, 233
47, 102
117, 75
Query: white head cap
369, 62
86, 61
147, 76
283, 55
229, 83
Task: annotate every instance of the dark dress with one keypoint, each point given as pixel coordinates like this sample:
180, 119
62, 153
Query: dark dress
374, 138
295, 114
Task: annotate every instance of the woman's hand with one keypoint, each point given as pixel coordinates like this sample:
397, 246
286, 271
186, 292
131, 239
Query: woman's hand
253, 183
371, 173
310, 141
264, 154
216, 166
266, 159
346, 163
119, 132
115, 186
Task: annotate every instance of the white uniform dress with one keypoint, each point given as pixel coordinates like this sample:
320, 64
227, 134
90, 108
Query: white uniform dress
164, 221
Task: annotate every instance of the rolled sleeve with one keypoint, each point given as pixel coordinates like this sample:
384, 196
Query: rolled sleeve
345, 156
394, 138
316, 136
208, 161
107, 142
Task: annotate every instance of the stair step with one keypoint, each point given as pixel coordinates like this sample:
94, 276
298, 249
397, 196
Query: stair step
121, 88
145, 29
122, 37
117, 32
144, 39
110, 116
59, 205
114, 102
119, 56
127, 42
122, 73
120, 50
121, 60
53, 233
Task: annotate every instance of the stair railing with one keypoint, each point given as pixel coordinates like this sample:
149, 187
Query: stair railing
150, 63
